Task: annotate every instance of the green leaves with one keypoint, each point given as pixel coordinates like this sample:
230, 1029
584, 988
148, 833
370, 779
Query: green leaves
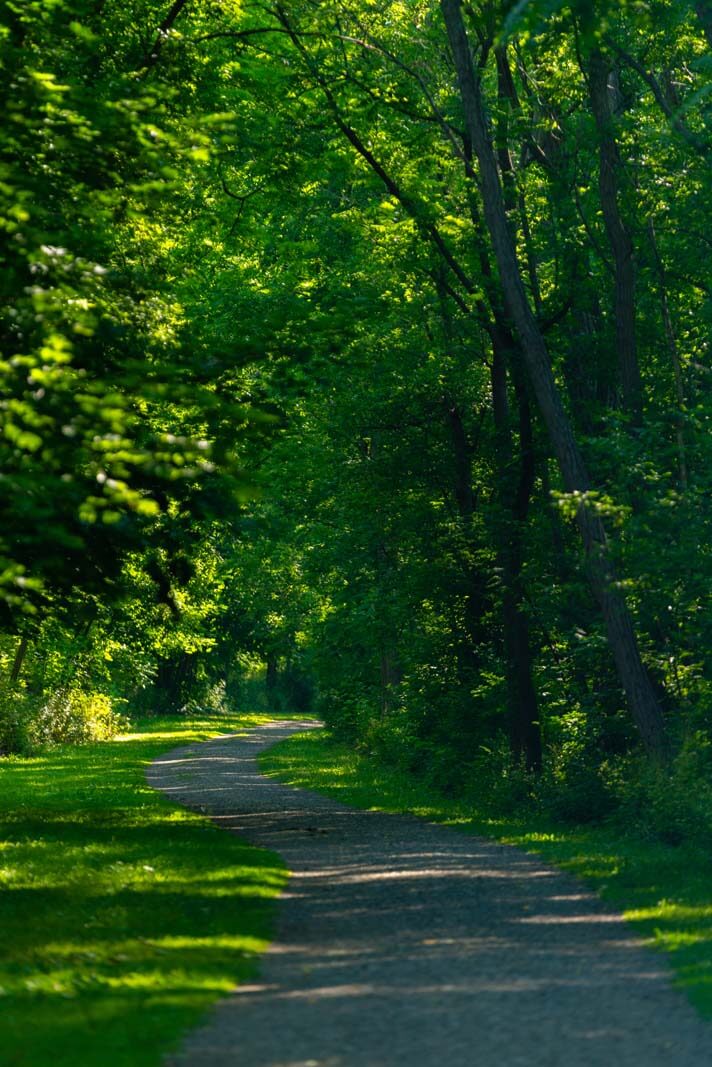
250, 294
106, 415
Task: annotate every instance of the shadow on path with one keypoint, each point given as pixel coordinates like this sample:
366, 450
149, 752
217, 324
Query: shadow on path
401, 942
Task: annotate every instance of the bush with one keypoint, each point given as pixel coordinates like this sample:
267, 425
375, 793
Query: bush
577, 792
497, 783
16, 712
672, 805
70, 716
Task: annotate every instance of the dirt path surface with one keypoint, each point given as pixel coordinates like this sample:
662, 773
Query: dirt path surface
405, 943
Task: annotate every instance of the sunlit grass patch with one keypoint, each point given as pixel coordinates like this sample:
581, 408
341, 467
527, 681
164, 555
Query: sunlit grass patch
664, 891
123, 916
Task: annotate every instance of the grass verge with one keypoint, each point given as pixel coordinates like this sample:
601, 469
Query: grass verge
665, 891
123, 916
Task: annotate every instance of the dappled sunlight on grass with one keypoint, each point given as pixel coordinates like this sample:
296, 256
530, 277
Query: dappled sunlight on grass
122, 914
665, 891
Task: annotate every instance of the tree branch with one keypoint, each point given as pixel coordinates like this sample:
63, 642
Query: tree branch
164, 29
695, 142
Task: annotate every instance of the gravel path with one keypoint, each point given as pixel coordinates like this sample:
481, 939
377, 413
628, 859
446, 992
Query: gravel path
405, 943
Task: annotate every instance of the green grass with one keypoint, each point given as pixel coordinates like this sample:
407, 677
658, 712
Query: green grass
664, 891
123, 917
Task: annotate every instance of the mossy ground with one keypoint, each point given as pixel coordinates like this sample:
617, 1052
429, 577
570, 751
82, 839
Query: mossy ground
123, 917
665, 891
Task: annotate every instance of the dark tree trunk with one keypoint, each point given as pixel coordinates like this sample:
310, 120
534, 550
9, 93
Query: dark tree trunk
557, 533
524, 725
674, 359
272, 680
390, 671
464, 496
514, 494
704, 14
391, 678
476, 595
19, 659
619, 239
513, 197
634, 678
174, 680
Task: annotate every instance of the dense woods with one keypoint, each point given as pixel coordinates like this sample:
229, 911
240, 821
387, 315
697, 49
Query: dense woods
355, 357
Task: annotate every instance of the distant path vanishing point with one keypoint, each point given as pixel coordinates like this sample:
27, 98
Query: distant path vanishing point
400, 942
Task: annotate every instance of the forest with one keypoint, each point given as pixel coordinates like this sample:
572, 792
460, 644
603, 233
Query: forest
355, 362
339, 367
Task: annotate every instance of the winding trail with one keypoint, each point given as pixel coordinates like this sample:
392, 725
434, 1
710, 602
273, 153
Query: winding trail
401, 943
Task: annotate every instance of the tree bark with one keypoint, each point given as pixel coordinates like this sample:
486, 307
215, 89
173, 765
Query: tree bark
476, 596
464, 496
619, 239
523, 708
522, 704
272, 681
19, 659
391, 678
391, 674
704, 14
674, 359
642, 699
524, 723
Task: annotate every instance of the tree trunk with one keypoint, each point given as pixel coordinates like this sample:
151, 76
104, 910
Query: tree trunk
513, 196
390, 671
476, 596
674, 359
391, 678
464, 496
557, 533
19, 659
634, 678
272, 681
704, 14
524, 724
621, 244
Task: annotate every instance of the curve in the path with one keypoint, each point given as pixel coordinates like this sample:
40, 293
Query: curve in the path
401, 943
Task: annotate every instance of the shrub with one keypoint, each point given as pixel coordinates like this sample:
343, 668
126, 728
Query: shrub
16, 712
577, 792
70, 716
498, 784
672, 805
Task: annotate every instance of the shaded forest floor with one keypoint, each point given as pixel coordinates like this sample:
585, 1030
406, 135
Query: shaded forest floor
123, 916
665, 891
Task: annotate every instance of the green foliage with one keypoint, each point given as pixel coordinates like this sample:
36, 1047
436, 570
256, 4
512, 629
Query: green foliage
107, 420
380, 354
16, 715
672, 806
267, 433
73, 717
